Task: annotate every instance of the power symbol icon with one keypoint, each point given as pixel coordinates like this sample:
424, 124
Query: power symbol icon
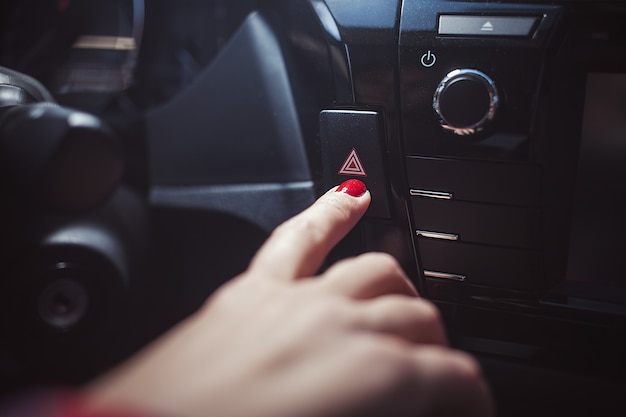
428, 59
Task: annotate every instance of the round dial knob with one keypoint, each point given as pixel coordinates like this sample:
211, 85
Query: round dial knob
466, 101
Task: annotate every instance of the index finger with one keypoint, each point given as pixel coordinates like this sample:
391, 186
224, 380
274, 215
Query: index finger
298, 247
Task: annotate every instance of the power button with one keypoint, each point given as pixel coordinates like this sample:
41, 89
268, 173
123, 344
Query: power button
429, 59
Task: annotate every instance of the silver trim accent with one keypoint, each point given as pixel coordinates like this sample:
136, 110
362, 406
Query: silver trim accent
437, 235
118, 43
465, 74
431, 194
364, 112
444, 275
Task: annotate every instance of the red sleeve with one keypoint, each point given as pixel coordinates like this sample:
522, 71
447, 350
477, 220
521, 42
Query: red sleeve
58, 404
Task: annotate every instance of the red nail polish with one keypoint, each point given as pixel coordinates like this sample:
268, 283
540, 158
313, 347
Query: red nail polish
355, 188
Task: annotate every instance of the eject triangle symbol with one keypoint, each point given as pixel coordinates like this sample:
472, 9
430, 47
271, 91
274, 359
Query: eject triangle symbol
352, 165
487, 27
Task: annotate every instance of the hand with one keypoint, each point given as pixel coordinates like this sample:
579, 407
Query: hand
276, 342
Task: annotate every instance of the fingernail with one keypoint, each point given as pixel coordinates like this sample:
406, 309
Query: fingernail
355, 188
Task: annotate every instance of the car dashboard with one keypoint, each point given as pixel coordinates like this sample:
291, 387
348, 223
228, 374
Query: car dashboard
491, 136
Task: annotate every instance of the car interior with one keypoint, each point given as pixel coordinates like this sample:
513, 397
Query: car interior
149, 147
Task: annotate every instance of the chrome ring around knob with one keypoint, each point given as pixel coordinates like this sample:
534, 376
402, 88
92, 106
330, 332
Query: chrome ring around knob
471, 127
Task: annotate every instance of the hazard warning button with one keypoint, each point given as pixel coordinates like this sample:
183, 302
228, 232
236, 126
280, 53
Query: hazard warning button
353, 166
351, 142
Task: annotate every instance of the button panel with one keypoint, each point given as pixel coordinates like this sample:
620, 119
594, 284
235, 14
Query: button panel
487, 182
488, 224
477, 220
480, 264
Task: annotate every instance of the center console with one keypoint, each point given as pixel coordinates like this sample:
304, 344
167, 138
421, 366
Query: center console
503, 142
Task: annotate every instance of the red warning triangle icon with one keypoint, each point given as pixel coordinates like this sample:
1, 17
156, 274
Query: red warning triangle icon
352, 166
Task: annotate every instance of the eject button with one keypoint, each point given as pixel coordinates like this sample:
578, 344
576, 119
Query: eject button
467, 25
